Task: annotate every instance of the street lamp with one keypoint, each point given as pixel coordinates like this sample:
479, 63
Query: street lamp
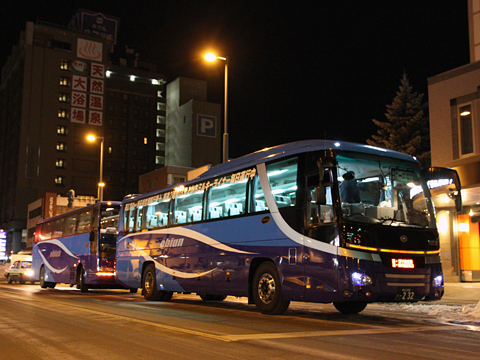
212, 57
101, 184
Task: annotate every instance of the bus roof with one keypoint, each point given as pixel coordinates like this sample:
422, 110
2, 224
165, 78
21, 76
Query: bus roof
71, 211
292, 148
284, 150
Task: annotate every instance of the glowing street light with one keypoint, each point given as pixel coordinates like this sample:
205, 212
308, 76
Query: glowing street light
213, 57
101, 184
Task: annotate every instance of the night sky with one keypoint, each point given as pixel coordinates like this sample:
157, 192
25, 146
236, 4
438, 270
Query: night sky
298, 70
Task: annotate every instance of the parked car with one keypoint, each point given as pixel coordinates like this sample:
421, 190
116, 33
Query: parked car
20, 271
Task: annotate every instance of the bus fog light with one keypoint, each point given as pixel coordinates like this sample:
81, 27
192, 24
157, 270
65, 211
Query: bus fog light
346, 292
437, 281
368, 294
360, 279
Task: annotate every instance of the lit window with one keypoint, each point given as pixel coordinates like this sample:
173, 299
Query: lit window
132, 78
160, 146
155, 82
64, 64
62, 114
108, 73
63, 98
466, 130
161, 106
160, 93
109, 149
160, 119
61, 130
145, 140
60, 163
63, 81
61, 146
59, 180
160, 133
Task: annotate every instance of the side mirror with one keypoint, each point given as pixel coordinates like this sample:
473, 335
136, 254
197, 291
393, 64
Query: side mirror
445, 181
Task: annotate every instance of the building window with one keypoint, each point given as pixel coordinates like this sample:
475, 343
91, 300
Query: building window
64, 64
160, 133
61, 130
160, 93
61, 146
62, 114
109, 149
160, 146
125, 96
63, 98
59, 180
161, 106
60, 163
145, 140
63, 81
466, 130
161, 119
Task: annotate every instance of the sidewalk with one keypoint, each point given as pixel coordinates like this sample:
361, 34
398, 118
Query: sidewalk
462, 293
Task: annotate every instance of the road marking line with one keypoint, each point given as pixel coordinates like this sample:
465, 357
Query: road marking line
271, 336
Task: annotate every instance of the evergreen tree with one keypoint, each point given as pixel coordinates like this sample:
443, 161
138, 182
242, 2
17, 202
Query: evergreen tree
407, 127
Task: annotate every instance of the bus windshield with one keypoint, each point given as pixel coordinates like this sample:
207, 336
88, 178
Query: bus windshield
383, 190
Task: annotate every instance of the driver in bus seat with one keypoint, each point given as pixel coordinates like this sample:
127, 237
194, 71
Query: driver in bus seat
349, 192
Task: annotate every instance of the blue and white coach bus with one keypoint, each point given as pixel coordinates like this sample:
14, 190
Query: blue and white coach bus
272, 226
78, 247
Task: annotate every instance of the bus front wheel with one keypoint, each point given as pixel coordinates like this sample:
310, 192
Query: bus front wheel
267, 290
45, 284
350, 307
149, 286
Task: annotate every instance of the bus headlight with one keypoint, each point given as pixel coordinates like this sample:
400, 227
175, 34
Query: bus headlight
360, 279
437, 281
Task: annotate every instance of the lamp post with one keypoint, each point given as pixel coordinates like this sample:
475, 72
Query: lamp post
101, 184
212, 57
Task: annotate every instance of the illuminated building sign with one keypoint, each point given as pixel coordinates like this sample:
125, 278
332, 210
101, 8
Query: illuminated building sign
3, 245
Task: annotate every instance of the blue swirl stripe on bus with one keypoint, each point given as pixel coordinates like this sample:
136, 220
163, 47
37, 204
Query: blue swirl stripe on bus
54, 249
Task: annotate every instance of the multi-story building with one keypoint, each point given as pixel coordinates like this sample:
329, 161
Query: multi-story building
454, 105
59, 85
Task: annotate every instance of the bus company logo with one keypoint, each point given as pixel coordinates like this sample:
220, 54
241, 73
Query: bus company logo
55, 253
170, 242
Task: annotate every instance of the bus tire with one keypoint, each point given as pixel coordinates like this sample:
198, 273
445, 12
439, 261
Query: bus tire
81, 285
350, 307
133, 290
43, 284
267, 290
149, 284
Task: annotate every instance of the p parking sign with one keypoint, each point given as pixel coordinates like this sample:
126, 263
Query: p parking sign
206, 125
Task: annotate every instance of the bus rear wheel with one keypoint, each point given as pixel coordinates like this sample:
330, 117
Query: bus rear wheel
267, 290
81, 285
149, 286
350, 307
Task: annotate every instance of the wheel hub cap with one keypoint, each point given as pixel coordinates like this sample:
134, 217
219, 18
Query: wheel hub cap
266, 288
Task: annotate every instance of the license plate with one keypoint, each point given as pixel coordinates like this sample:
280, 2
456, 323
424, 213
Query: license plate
403, 263
406, 294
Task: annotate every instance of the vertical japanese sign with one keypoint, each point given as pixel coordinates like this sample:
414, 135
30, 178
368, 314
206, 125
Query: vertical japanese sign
88, 91
49, 204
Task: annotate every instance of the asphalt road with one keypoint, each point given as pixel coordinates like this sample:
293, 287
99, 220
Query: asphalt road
63, 323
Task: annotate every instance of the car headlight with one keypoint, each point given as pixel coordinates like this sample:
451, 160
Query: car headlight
437, 281
360, 279
28, 273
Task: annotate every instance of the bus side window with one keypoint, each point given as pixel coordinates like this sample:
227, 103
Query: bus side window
138, 221
157, 215
259, 203
282, 176
227, 200
188, 208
